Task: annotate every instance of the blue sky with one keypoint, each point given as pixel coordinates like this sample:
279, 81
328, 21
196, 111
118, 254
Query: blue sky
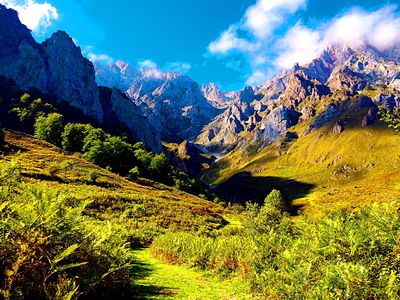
230, 42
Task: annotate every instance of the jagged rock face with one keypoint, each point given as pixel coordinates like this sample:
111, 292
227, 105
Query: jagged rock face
55, 67
216, 97
71, 76
224, 130
346, 80
371, 117
20, 56
174, 105
387, 101
118, 107
299, 87
277, 122
119, 74
327, 116
338, 128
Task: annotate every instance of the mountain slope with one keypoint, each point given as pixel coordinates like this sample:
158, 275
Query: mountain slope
111, 195
339, 72
174, 103
57, 68
340, 164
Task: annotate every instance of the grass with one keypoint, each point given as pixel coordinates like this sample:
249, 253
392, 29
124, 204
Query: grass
164, 281
112, 196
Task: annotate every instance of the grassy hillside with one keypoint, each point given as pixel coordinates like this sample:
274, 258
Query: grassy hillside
140, 207
320, 170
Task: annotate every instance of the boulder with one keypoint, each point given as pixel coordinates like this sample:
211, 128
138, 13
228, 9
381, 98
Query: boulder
278, 122
338, 128
371, 117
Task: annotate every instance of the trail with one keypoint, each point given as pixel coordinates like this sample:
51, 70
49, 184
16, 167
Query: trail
157, 280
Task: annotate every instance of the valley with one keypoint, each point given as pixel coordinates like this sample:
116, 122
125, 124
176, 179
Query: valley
136, 181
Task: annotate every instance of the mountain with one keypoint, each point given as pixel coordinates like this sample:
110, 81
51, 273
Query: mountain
216, 96
119, 74
174, 103
296, 95
49, 66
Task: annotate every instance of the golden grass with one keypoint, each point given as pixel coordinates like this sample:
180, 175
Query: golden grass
111, 195
349, 170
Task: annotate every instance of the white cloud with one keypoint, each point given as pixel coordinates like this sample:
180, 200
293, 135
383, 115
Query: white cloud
380, 28
149, 69
101, 58
266, 15
257, 77
229, 41
36, 16
265, 49
356, 28
299, 45
179, 67
257, 27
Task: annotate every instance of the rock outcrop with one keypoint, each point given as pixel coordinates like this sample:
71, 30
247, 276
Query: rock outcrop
174, 104
119, 108
56, 67
70, 75
276, 123
216, 97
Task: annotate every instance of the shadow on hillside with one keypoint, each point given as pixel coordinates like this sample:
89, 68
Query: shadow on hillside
9, 149
244, 187
138, 291
133, 290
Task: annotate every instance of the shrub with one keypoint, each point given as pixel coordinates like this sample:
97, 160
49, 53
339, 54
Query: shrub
343, 255
74, 135
93, 176
28, 109
49, 128
134, 174
93, 137
48, 249
114, 153
10, 177
144, 158
160, 167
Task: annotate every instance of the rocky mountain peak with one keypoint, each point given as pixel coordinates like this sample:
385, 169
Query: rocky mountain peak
12, 31
216, 96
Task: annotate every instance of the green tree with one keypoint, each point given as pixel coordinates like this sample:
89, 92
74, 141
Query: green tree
27, 110
114, 153
134, 174
93, 137
160, 167
49, 128
144, 158
74, 135
391, 118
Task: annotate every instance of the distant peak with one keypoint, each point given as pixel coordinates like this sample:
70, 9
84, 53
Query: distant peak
61, 38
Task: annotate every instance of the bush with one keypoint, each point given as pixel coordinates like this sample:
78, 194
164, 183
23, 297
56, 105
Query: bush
134, 174
27, 109
48, 249
343, 255
49, 128
74, 135
160, 167
144, 158
114, 153
93, 137
93, 176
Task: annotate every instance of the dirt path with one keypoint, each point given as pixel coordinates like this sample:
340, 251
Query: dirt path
157, 280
